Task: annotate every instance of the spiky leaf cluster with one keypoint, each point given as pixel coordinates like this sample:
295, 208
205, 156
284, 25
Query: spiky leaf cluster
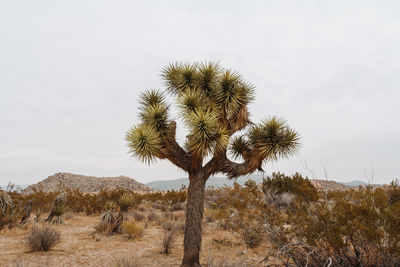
211, 100
125, 202
144, 142
271, 139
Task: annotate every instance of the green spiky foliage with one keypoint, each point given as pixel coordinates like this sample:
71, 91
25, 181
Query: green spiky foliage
213, 104
125, 202
60, 208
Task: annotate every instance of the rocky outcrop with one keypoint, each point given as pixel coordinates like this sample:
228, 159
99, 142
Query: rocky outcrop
322, 185
86, 184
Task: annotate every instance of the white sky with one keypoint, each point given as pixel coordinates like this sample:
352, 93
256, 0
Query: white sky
71, 73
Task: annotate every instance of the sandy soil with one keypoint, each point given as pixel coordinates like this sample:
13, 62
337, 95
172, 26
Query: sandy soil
79, 247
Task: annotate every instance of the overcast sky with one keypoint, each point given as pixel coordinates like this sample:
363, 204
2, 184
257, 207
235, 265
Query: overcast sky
71, 73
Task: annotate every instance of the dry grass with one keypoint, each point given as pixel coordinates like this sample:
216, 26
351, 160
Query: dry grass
79, 248
127, 262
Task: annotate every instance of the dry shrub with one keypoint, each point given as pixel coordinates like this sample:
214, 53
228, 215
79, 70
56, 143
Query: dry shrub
252, 234
168, 241
224, 239
394, 192
152, 216
171, 231
126, 262
167, 215
162, 207
281, 201
133, 230
177, 207
173, 225
347, 229
210, 215
103, 227
141, 208
138, 216
42, 238
295, 184
168, 225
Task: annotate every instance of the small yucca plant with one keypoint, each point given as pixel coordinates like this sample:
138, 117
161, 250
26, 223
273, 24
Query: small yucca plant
125, 202
60, 208
108, 217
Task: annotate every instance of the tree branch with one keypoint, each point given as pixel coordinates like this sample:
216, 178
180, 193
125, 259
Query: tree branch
172, 150
215, 164
252, 162
221, 163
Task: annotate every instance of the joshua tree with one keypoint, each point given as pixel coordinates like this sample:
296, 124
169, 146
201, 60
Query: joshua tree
213, 105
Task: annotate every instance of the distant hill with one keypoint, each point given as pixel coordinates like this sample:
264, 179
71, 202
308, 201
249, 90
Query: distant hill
215, 182
218, 182
86, 184
354, 183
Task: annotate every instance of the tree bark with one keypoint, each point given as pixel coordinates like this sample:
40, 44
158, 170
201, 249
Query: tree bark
194, 218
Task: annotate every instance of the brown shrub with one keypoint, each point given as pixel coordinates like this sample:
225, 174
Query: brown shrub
138, 216
347, 229
295, 184
252, 234
42, 238
152, 216
162, 207
169, 240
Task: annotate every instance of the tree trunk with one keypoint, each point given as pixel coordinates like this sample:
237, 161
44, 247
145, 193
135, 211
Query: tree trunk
194, 217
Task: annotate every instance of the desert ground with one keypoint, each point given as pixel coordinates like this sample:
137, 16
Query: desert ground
79, 246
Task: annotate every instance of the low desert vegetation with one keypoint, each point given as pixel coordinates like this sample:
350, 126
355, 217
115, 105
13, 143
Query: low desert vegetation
42, 238
126, 262
169, 239
285, 220
132, 229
